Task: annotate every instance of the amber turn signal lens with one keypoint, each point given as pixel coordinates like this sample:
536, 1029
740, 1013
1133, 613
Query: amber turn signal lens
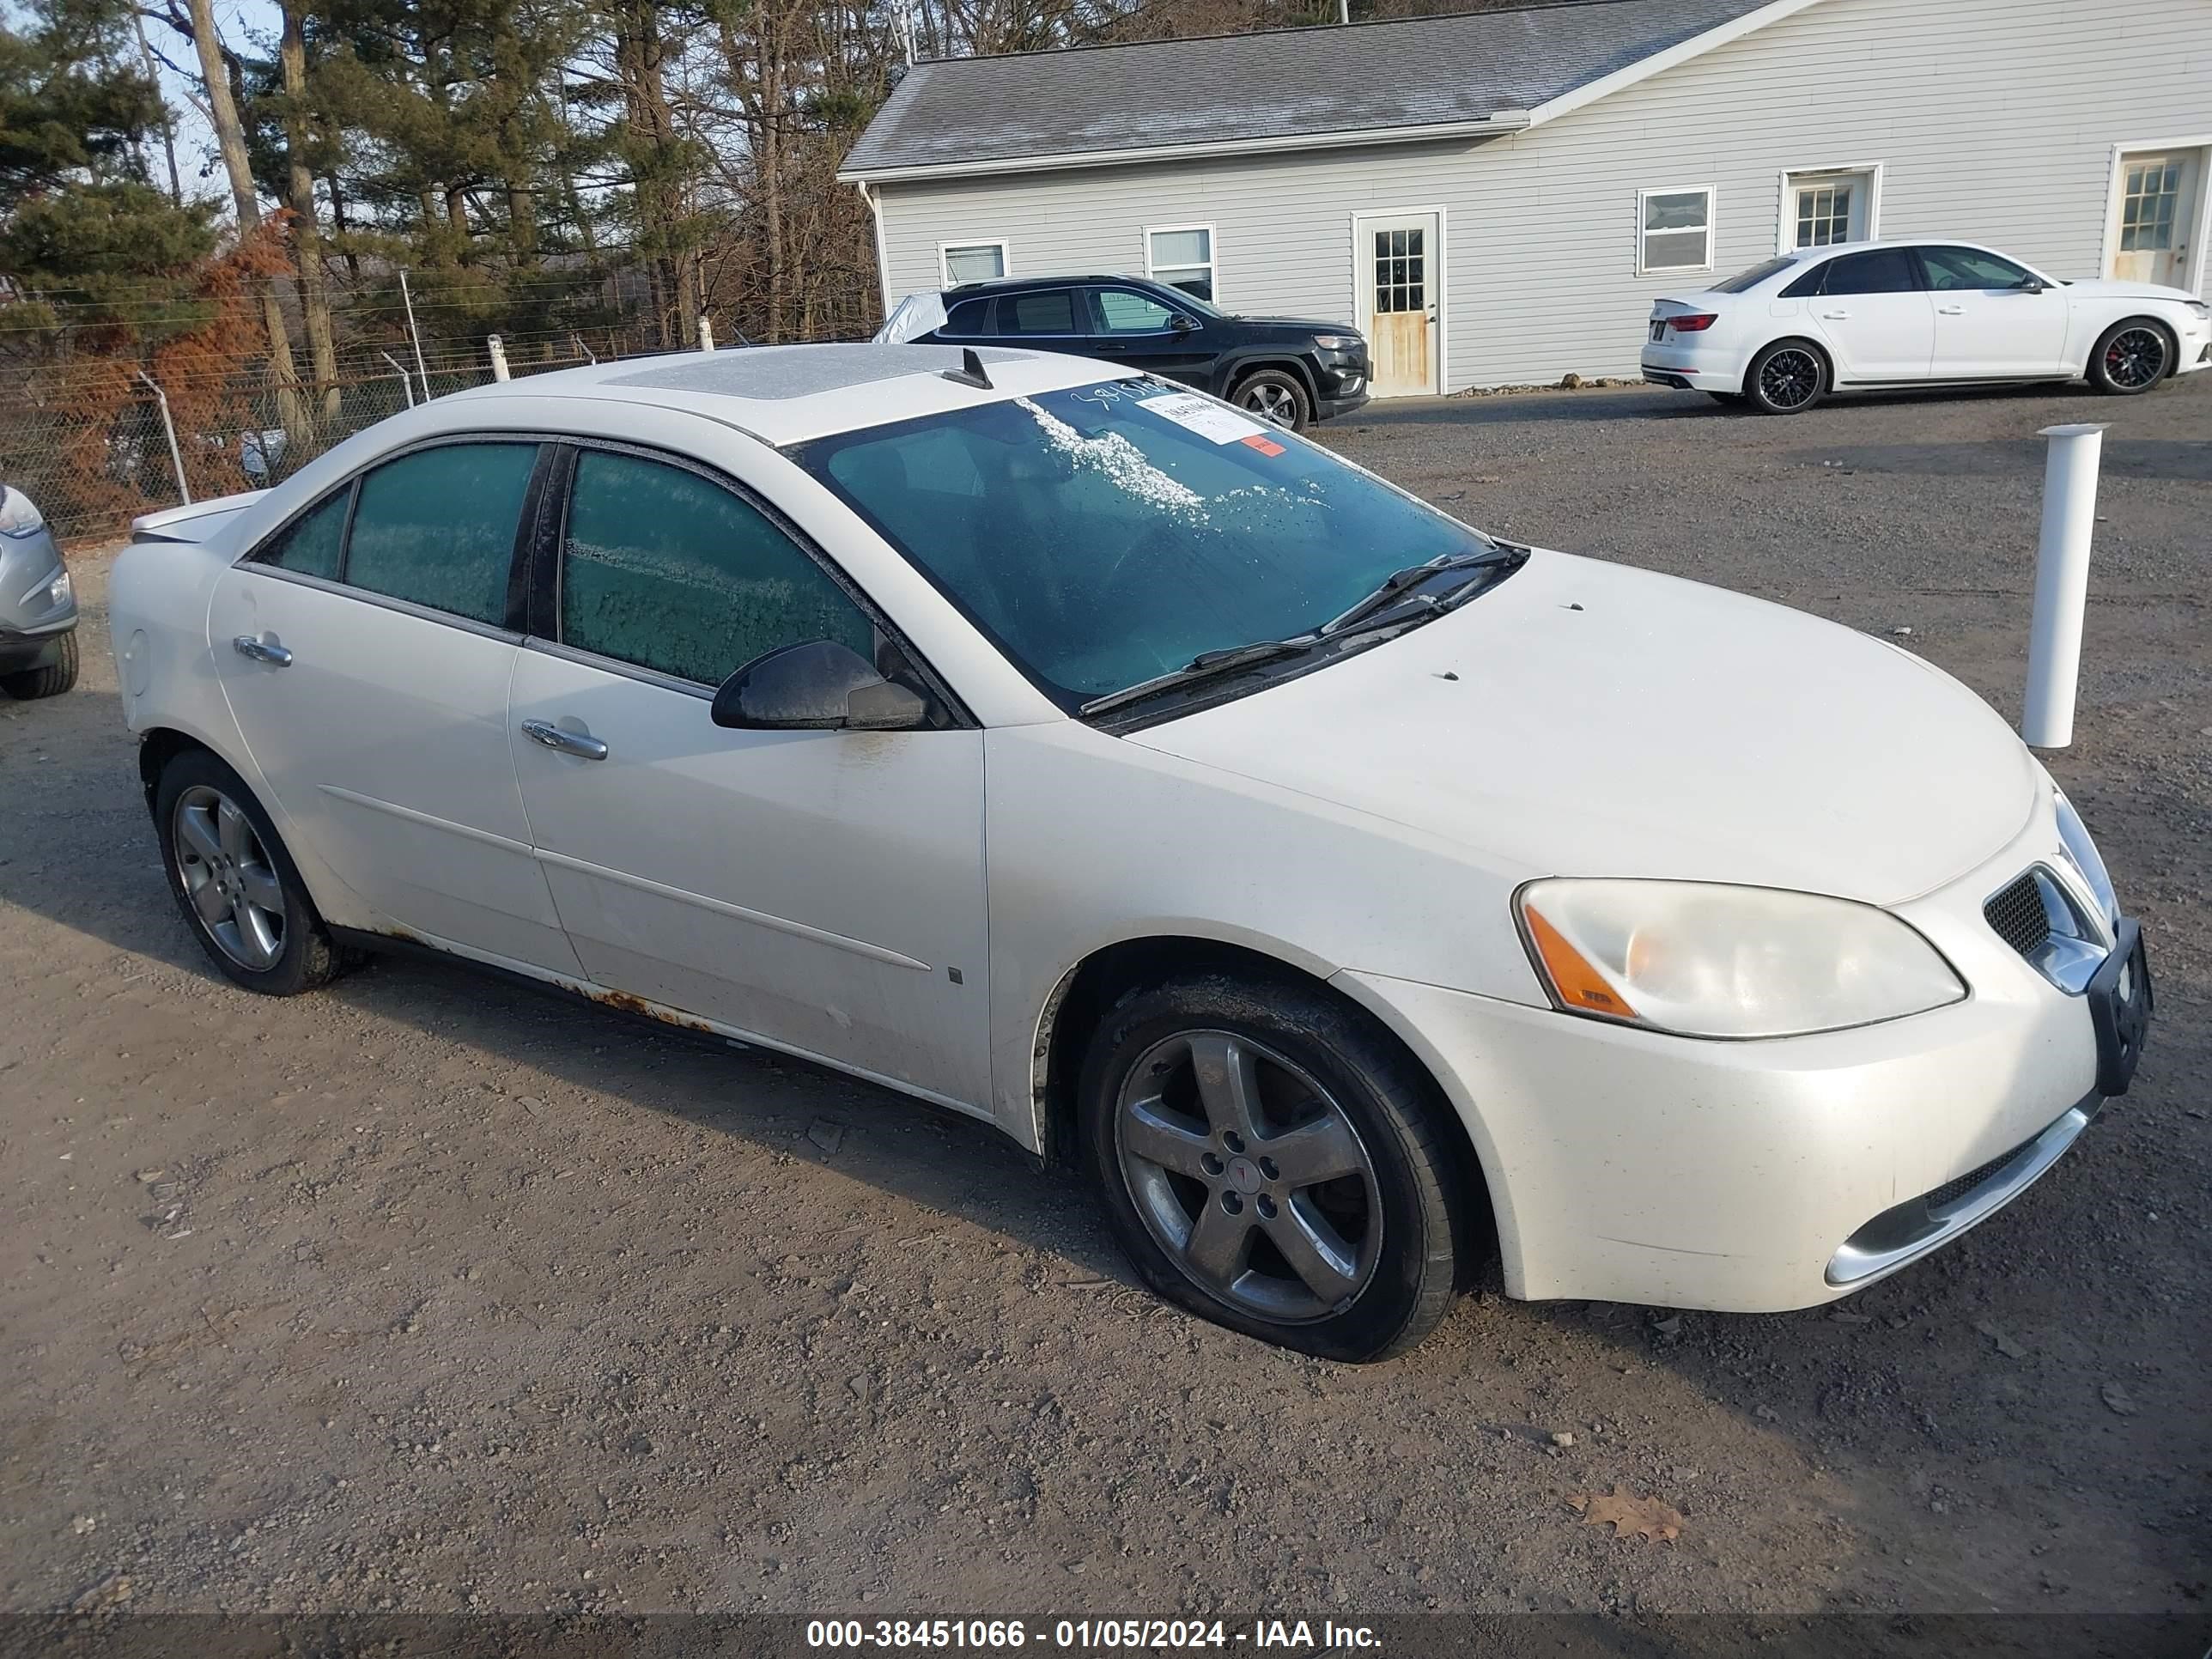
1574, 982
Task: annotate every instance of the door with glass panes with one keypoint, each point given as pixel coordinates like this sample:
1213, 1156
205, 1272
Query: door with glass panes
2158, 212
1398, 264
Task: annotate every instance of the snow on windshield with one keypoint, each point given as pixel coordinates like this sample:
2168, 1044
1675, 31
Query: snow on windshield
1116, 458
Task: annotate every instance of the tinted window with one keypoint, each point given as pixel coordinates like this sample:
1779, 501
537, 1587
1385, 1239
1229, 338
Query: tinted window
437, 527
969, 317
1885, 271
1107, 534
1744, 282
1122, 311
671, 571
312, 546
1953, 268
1052, 311
1809, 283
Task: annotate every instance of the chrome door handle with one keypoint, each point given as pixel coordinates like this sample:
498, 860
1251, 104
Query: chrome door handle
261, 650
1950, 311
567, 743
1835, 316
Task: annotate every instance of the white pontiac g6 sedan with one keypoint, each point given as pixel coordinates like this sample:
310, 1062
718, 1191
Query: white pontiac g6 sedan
1868, 316
1354, 894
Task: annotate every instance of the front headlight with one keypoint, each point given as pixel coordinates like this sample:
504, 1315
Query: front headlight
2081, 853
58, 593
1700, 960
18, 516
1338, 342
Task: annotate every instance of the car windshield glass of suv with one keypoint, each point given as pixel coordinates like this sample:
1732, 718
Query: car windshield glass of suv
1106, 535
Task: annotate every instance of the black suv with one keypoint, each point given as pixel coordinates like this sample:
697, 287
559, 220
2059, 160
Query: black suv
1283, 369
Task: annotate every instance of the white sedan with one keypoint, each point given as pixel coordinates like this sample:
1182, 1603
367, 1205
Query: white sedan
1354, 895
1871, 315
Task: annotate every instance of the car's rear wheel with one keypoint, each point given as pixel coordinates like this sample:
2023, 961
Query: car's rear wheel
48, 680
2131, 358
1273, 1162
1787, 377
1277, 396
239, 889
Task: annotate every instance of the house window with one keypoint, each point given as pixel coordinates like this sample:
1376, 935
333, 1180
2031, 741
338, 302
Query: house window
1822, 209
971, 262
1182, 256
1677, 229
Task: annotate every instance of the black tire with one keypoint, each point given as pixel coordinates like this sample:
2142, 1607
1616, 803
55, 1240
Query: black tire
2133, 357
305, 957
1787, 377
1406, 1234
50, 681
1277, 396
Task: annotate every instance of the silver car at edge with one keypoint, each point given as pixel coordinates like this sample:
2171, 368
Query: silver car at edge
38, 603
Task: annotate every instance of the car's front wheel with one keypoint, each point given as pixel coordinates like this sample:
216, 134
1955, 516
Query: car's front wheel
239, 889
1787, 377
1277, 396
2131, 358
1273, 1162
48, 680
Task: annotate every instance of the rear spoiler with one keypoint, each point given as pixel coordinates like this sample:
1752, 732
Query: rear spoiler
195, 522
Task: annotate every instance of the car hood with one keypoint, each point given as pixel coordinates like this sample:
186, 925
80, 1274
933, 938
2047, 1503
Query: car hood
2106, 287
1303, 324
1584, 718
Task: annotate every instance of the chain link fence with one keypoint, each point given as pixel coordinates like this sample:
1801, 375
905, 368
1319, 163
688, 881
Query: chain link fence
96, 443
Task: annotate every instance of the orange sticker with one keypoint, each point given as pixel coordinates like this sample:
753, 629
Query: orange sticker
1265, 445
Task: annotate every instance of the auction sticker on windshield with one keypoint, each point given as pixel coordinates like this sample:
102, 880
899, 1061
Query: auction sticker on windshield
1204, 417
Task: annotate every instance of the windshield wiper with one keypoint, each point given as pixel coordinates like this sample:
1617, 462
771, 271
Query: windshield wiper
1207, 665
1399, 583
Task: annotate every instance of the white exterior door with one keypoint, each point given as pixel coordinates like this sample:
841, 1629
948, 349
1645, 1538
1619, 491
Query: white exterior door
820, 889
1398, 269
380, 722
2158, 212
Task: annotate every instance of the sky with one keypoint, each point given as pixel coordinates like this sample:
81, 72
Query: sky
246, 26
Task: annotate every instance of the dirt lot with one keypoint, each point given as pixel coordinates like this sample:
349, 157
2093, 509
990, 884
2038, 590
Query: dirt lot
425, 1293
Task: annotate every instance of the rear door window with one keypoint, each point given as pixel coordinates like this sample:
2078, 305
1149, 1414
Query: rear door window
437, 527
1050, 311
314, 544
1883, 270
668, 570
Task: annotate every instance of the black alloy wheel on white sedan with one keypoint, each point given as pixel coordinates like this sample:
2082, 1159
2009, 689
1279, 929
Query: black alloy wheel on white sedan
239, 889
1787, 377
1273, 1161
2133, 358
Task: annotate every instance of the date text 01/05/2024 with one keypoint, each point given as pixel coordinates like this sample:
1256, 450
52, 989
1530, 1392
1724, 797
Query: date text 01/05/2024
989, 1635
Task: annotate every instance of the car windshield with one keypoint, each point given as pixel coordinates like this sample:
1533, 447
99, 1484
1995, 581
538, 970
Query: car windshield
1106, 535
1744, 282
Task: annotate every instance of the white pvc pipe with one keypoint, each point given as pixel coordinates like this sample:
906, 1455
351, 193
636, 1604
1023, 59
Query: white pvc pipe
498, 357
2062, 585
706, 334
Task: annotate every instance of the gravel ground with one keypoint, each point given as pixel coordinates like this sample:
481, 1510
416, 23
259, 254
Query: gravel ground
424, 1293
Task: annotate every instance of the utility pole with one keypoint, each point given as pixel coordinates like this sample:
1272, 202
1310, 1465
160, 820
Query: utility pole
408, 300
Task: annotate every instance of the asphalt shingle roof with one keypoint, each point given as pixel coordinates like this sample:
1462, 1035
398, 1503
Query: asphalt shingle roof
1420, 72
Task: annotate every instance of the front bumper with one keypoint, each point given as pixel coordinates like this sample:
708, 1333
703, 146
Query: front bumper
1762, 1176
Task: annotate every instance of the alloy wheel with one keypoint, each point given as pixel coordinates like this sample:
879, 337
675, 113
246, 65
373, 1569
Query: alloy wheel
1250, 1176
1790, 379
228, 876
1276, 404
2136, 359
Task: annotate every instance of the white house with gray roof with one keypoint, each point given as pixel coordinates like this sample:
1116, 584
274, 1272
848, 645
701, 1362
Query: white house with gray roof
1498, 198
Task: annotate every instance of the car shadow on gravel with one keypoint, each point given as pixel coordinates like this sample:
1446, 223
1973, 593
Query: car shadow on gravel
2123, 458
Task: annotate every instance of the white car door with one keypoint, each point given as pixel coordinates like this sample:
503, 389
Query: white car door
365, 652
1874, 311
820, 889
1994, 319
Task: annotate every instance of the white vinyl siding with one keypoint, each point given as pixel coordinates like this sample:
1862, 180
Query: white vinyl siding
1676, 229
1961, 102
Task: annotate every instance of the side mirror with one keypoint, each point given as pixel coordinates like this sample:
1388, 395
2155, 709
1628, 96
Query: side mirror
1183, 323
817, 686
2034, 285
